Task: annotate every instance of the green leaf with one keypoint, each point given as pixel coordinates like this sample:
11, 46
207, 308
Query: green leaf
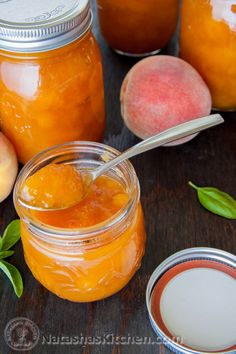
14, 276
11, 235
5, 254
216, 201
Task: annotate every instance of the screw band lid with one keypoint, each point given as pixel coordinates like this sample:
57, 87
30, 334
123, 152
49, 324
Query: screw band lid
42, 25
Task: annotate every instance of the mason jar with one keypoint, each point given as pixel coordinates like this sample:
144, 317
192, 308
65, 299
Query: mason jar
51, 80
208, 42
137, 28
91, 263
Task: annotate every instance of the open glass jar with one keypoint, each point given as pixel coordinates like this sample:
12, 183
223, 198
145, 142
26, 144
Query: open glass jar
137, 28
51, 81
208, 42
84, 264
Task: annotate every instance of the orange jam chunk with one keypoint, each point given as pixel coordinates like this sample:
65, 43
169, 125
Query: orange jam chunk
52, 97
53, 187
106, 198
135, 26
83, 274
208, 42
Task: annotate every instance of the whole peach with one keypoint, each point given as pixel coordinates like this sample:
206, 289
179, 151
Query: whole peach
160, 92
8, 167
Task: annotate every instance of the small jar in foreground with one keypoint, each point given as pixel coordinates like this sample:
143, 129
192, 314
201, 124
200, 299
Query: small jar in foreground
89, 263
208, 42
51, 80
137, 28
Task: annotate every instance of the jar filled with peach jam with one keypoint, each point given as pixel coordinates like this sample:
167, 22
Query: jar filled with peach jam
208, 42
51, 81
91, 250
135, 27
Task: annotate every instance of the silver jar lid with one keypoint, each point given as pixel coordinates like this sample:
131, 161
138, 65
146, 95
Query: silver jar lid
42, 25
180, 269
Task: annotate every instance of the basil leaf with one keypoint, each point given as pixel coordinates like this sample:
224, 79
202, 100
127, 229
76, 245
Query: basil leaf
216, 201
14, 276
11, 235
5, 254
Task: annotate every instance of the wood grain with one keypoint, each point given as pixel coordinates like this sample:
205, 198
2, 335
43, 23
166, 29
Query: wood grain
174, 221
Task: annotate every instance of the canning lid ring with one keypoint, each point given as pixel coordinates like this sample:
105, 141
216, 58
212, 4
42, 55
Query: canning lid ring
192, 254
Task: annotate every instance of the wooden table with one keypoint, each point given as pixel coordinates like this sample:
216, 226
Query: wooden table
174, 221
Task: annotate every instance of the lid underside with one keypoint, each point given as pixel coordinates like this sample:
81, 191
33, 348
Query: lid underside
195, 300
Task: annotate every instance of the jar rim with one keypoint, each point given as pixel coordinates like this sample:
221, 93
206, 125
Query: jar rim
72, 234
42, 34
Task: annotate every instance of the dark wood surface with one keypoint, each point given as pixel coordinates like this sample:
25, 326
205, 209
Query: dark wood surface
174, 221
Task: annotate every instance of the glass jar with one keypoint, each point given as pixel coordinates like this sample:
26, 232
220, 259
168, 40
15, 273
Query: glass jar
51, 81
135, 27
208, 42
90, 263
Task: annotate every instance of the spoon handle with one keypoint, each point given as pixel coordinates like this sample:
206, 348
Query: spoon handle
167, 136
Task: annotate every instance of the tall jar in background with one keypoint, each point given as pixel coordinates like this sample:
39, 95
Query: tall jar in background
51, 81
208, 42
137, 28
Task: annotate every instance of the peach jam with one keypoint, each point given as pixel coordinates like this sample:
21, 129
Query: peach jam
51, 82
208, 42
91, 250
55, 186
135, 27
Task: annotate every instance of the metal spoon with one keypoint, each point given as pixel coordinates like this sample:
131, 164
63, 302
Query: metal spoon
167, 136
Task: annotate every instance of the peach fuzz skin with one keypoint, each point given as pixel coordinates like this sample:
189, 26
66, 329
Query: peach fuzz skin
8, 167
160, 92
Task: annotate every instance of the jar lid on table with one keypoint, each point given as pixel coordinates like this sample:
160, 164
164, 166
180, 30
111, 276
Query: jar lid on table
191, 301
42, 25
